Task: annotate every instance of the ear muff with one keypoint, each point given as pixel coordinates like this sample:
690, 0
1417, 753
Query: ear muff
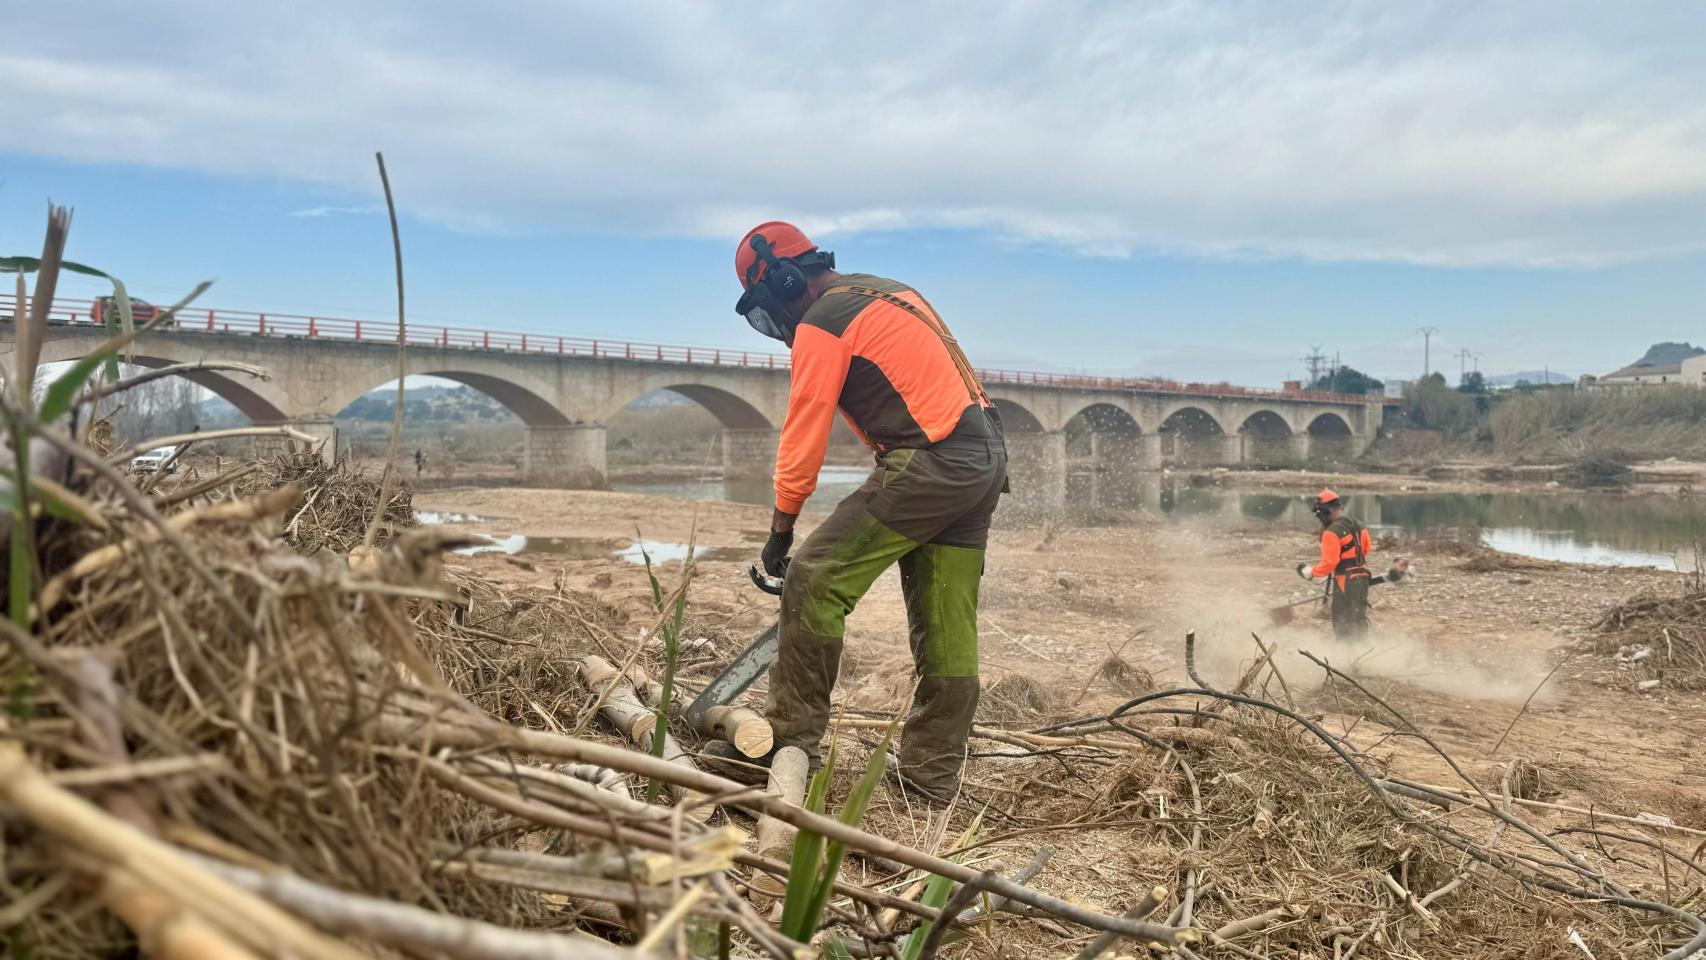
782, 277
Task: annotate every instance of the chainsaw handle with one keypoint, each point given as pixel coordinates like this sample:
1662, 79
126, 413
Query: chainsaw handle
763, 581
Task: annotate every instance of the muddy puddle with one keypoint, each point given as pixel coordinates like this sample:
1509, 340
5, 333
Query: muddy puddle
593, 548
582, 548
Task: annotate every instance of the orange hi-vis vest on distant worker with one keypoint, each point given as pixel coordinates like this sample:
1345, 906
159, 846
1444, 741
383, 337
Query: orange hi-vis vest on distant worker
1345, 546
876, 350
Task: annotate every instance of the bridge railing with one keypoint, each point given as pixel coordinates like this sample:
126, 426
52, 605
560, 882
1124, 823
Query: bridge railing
67, 310
269, 324
1159, 385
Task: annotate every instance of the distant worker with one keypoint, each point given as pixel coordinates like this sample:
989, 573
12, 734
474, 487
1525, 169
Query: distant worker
878, 351
1345, 547
420, 462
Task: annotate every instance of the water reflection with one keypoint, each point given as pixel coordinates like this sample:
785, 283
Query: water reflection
833, 483
1655, 531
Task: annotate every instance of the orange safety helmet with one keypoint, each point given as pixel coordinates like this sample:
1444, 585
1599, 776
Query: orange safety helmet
1323, 505
786, 241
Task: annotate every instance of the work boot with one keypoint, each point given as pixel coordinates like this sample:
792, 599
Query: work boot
937, 798
933, 748
726, 759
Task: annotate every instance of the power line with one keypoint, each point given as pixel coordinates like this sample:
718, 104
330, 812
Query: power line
1427, 345
1314, 360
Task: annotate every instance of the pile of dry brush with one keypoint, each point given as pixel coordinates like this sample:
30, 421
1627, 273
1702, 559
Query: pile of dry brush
1659, 636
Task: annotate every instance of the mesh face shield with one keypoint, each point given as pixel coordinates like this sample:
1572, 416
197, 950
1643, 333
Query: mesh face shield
763, 314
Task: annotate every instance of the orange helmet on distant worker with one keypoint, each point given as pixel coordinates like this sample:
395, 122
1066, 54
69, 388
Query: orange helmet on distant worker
1323, 506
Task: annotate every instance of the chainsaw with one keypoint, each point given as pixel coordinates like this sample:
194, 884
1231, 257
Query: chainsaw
747, 666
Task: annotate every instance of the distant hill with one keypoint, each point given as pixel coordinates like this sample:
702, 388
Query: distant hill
1532, 376
445, 404
1667, 353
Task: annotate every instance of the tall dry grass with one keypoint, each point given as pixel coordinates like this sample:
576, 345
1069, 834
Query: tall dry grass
1650, 422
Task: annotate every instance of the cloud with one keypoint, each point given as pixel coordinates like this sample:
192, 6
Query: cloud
334, 211
1537, 132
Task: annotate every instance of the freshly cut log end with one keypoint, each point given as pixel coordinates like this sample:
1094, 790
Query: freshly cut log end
775, 838
622, 707
743, 727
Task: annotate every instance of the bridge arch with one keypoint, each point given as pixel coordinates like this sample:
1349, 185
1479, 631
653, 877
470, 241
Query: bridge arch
1096, 424
252, 396
524, 399
1267, 437
1329, 425
737, 402
1015, 417
1330, 437
1104, 440
1192, 435
731, 410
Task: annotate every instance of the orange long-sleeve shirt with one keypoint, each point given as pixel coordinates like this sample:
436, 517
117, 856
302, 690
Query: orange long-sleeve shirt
886, 370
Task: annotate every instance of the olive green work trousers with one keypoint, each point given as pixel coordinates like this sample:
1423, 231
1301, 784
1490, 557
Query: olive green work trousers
928, 510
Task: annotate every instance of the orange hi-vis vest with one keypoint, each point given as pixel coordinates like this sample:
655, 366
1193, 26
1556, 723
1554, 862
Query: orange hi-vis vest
1345, 546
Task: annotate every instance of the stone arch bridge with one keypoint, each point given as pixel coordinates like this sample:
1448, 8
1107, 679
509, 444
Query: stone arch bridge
565, 389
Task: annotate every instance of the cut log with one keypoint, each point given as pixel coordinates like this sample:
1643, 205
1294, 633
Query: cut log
635, 721
775, 838
741, 726
744, 727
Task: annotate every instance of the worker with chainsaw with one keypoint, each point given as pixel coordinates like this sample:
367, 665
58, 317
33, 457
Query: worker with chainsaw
878, 351
1345, 546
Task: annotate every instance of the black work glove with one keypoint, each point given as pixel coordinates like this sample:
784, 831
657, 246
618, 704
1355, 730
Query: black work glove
774, 559
1303, 571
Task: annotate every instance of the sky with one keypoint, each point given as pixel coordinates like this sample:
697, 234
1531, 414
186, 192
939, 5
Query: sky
1204, 191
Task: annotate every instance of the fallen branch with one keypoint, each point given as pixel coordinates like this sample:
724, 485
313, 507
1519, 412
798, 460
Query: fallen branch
1257, 923
636, 721
432, 736
411, 928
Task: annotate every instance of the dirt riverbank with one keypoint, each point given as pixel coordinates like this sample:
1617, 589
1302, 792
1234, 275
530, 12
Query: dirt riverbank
1459, 651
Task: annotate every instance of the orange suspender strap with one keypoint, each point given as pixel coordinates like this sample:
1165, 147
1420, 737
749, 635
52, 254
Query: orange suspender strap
973, 388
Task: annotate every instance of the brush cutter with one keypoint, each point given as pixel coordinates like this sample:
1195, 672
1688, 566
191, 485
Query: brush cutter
1285, 613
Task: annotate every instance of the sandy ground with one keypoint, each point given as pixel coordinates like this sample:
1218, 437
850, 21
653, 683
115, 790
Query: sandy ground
1459, 652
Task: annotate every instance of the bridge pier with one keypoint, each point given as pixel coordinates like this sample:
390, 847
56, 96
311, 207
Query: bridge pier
570, 456
1232, 450
1151, 456
750, 453
1300, 447
322, 429
1036, 464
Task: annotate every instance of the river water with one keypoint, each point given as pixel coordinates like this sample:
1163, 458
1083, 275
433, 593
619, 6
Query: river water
1651, 531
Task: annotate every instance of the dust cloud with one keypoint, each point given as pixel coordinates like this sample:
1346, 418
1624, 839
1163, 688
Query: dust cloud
1224, 621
